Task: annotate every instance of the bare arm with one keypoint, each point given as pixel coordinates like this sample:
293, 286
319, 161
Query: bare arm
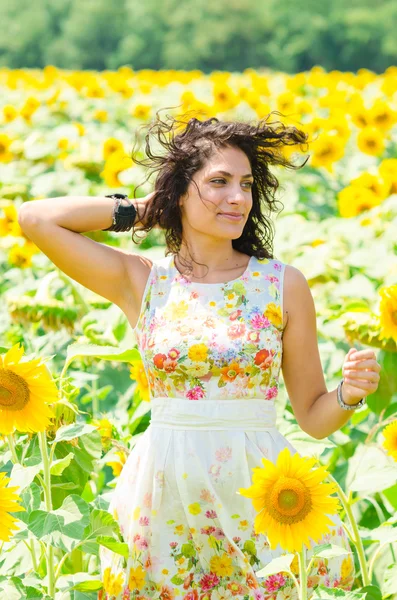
56, 225
80, 214
316, 410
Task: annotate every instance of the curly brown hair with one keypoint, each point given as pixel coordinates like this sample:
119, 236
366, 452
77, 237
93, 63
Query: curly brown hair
189, 145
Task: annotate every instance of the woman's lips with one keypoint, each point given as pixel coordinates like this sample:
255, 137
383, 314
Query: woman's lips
232, 217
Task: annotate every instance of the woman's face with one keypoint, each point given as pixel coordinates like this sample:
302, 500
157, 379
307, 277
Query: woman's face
227, 192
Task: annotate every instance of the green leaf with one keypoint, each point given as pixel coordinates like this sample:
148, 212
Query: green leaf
102, 524
329, 551
13, 588
277, 565
23, 476
93, 585
391, 495
101, 352
325, 593
58, 466
387, 385
370, 470
63, 527
356, 306
75, 430
304, 443
372, 592
78, 586
389, 585
86, 452
31, 499
383, 534
113, 545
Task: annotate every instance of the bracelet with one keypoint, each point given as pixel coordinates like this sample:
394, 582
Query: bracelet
343, 404
123, 216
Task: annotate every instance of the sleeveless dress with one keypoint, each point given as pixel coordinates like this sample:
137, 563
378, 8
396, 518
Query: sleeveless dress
212, 354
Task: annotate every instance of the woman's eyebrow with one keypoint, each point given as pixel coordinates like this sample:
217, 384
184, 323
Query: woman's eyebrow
230, 175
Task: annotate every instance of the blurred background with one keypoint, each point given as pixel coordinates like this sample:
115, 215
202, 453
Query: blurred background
196, 34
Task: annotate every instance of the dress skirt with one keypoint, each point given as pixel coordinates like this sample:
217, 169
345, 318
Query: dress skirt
190, 534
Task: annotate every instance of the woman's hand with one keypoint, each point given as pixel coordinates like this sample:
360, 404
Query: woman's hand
360, 375
141, 206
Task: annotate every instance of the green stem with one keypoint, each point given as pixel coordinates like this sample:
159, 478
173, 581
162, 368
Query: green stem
34, 557
48, 502
95, 400
374, 557
11, 443
302, 573
356, 534
30, 546
30, 542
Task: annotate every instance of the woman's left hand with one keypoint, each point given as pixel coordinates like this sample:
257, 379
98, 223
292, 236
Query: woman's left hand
360, 374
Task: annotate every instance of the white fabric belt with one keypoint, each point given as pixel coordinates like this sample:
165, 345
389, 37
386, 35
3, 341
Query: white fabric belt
242, 413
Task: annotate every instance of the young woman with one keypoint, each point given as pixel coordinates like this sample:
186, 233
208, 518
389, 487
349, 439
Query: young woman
215, 320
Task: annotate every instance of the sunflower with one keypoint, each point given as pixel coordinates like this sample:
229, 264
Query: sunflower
388, 312
26, 389
390, 442
291, 500
138, 374
8, 503
371, 141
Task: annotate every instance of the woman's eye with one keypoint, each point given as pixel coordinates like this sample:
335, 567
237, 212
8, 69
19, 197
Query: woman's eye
223, 181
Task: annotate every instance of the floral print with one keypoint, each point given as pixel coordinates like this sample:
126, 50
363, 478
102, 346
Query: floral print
212, 354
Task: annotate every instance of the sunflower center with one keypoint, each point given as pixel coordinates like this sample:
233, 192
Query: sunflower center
289, 501
14, 391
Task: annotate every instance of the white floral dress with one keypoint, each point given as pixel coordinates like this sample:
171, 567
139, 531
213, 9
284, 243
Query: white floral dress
212, 354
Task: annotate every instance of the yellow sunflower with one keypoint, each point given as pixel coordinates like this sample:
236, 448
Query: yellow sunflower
388, 312
138, 374
390, 443
292, 501
26, 390
8, 504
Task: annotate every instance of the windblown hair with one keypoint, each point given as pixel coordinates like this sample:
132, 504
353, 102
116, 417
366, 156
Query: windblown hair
189, 146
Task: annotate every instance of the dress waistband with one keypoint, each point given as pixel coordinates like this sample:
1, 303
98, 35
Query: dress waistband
245, 414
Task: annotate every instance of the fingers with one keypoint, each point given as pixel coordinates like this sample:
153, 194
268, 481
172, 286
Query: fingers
363, 364
370, 376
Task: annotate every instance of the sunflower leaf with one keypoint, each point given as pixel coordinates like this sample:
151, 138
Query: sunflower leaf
69, 432
325, 593
58, 466
63, 527
277, 565
119, 354
329, 551
113, 545
372, 591
389, 584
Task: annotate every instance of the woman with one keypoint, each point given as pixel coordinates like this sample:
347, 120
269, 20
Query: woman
215, 321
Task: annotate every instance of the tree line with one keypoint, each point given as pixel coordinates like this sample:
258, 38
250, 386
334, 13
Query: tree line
227, 35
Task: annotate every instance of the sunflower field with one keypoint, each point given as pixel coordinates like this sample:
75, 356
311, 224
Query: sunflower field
74, 395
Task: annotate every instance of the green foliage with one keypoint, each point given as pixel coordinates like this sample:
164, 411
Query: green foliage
224, 35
